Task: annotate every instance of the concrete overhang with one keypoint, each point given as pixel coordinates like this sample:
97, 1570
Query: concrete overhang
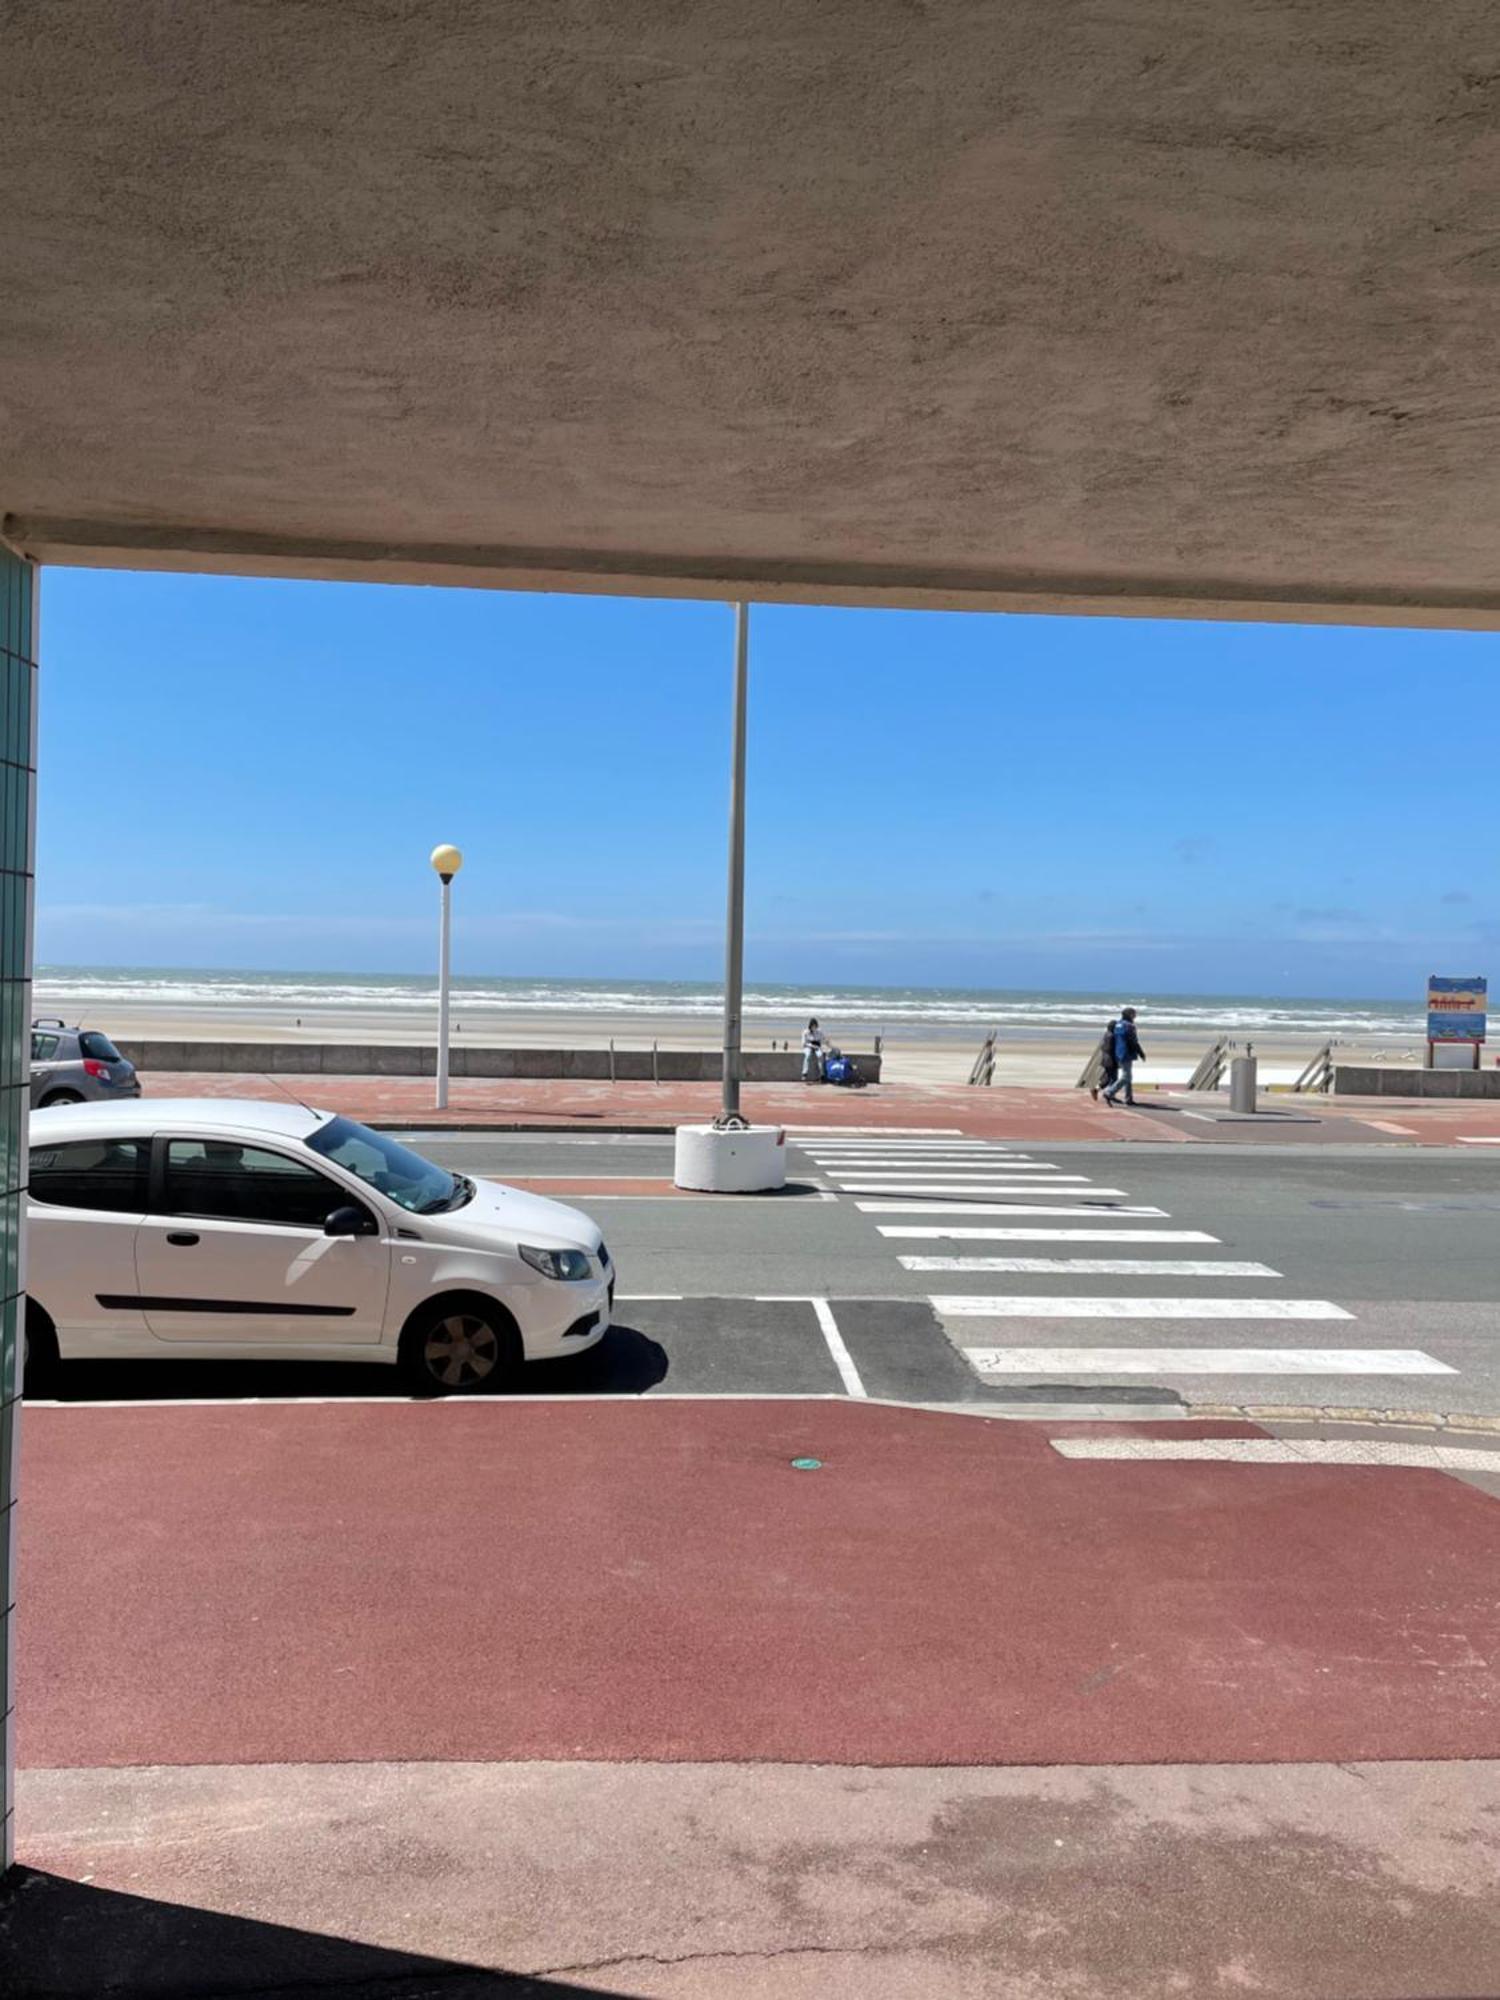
1093, 305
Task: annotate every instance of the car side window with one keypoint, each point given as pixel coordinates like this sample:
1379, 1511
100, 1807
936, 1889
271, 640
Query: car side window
223, 1181
107, 1174
43, 1048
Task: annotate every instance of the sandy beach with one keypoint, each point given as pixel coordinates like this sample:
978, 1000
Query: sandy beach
940, 1053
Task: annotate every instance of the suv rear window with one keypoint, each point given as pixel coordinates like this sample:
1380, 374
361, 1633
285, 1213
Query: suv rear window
92, 1173
100, 1047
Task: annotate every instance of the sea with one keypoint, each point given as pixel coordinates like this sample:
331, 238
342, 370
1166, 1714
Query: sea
899, 1011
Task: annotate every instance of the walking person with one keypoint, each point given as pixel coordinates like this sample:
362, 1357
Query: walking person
1127, 1053
812, 1053
1109, 1069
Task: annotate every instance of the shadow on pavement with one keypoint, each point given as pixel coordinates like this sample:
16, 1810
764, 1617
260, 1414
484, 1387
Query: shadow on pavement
67, 1941
625, 1363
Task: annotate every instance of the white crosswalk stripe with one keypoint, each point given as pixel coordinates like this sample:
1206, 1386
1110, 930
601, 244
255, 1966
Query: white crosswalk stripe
1096, 1267
900, 1207
1286, 1451
914, 1186
1042, 1305
980, 1233
1157, 1361
998, 1176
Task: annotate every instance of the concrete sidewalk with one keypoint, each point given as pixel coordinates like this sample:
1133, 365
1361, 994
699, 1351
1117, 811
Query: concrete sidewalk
1029, 1116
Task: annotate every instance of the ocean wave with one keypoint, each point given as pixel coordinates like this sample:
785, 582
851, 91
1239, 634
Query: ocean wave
891, 1009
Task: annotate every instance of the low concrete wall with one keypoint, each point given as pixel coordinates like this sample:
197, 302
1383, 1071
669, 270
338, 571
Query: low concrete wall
400, 1059
1370, 1080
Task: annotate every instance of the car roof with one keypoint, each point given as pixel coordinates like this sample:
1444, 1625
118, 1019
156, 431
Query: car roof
142, 1116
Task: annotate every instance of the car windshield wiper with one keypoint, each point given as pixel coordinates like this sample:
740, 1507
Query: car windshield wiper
461, 1193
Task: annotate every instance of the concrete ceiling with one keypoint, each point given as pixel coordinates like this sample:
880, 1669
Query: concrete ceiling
1182, 305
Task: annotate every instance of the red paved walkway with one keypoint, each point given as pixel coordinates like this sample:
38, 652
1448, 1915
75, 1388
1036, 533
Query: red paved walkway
654, 1580
1037, 1116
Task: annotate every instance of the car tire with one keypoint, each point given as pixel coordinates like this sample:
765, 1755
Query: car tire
61, 1097
460, 1346
40, 1359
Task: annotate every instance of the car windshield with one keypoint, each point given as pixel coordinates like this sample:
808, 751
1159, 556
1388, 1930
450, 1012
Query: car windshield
400, 1175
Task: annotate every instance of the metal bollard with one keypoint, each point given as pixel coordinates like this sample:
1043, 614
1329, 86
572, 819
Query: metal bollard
1242, 1083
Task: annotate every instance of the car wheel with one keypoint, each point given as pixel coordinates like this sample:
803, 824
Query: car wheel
39, 1356
459, 1347
62, 1097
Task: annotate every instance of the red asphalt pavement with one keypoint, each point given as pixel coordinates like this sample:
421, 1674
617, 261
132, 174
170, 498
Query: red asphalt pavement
1038, 1116
492, 1580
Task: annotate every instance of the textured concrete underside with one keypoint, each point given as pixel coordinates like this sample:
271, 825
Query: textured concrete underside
702, 1881
1150, 305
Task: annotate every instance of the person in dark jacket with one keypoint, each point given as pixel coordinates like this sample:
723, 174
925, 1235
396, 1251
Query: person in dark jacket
1109, 1069
1127, 1053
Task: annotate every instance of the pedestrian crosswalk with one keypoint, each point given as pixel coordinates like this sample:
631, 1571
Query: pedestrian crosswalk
930, 1192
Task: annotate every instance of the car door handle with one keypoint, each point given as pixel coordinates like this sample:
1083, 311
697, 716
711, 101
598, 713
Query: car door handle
182, 1239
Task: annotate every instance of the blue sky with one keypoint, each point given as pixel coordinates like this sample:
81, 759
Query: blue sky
251, 774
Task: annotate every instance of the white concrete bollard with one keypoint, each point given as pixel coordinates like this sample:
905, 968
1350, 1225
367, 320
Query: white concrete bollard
1242, 1083
749, 1161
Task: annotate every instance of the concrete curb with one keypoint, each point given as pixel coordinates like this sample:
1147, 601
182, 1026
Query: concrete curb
1101, 1412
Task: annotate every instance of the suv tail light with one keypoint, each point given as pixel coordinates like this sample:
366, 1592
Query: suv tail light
96, 1069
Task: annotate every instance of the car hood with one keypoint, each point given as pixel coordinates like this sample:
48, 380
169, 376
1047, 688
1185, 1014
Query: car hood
517, 1217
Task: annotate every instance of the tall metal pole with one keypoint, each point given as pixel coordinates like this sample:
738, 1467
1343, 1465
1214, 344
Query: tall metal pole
442, 1053
734, 942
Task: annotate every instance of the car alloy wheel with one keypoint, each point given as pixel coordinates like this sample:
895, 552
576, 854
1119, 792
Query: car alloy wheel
461, 1351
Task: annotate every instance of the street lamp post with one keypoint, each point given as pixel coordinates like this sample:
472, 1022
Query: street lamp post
446, 861
732, 1156
734, 944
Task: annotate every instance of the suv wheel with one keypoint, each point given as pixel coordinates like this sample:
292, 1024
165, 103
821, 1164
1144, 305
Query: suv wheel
62, 1097
457, 1347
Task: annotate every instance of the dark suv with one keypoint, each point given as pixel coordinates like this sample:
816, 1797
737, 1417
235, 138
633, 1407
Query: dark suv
69, 1065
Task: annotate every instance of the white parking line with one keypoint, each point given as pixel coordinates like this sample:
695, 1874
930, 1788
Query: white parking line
894, 1207
1331, 1361
1017, 1305
842, 1359
1472, 1139
1096, 1267
932, 1232
1286, 1451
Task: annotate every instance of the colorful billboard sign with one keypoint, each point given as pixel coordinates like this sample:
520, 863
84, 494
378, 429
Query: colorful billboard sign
1456, 1009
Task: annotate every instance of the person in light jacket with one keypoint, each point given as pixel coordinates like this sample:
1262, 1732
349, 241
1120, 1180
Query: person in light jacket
812, 1052
1128, 1052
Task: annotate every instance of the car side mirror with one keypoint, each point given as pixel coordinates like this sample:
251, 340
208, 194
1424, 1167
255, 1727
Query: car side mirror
350, 1221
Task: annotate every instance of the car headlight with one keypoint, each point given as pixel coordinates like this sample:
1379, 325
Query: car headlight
556, 1263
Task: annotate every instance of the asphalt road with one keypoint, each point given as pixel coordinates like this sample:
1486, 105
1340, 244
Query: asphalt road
1356, 1278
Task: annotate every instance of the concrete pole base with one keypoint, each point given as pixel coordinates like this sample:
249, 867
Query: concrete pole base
752, 1161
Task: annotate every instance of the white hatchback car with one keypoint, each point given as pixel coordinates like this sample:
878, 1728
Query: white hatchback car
227, 1227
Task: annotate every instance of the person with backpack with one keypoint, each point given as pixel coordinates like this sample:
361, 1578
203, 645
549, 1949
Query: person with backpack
812, 1052
1127, 1052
